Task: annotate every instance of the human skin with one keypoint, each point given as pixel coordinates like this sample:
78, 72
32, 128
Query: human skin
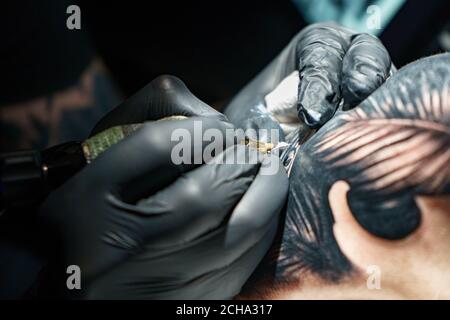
412, 268
370, 190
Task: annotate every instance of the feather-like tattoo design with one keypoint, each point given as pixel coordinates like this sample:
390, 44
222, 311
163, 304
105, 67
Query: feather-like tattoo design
391, 148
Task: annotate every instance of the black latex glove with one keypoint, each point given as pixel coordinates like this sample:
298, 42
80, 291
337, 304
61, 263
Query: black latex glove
164, 96
139, 226
334, 64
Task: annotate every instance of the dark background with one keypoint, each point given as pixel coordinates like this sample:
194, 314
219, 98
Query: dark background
214, 46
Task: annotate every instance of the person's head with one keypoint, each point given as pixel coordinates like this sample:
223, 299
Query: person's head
368, 212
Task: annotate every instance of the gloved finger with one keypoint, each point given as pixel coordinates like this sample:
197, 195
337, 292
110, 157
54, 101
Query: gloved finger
225, 255
263, 127
257, 212
320, 52
131, 279
365, 67
232, 278
164, 96
181, 212
154, 156
260, 204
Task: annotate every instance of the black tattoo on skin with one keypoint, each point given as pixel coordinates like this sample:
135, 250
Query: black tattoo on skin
393, 147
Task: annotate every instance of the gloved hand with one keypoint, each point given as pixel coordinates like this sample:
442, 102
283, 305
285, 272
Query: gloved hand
139, 226
323, 66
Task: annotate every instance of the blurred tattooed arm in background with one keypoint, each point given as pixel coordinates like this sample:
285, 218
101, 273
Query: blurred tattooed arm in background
64, 115
392, 150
